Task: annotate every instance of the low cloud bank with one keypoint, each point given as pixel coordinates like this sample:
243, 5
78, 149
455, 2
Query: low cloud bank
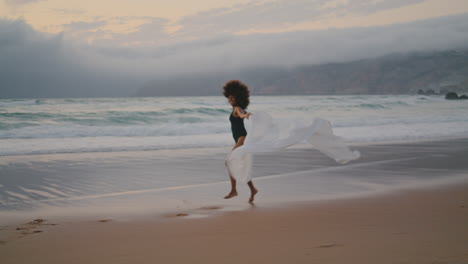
34, 64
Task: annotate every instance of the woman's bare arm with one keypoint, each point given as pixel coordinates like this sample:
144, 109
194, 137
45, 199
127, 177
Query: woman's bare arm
240, 113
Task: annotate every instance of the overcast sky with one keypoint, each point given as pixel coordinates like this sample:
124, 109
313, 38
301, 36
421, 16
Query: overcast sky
112, 47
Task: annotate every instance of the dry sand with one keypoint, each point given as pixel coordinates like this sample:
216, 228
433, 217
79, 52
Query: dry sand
412, 226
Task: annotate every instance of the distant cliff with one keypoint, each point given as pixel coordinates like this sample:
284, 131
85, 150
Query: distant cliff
391, 74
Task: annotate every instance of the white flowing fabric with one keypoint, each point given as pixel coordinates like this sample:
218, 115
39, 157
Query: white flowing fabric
268, 135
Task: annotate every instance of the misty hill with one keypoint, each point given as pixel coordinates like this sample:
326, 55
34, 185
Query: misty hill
391, 74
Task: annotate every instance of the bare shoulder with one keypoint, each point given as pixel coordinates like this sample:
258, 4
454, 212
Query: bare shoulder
239, 110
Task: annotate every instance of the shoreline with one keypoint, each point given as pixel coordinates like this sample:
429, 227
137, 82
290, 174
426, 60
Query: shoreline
307, 175
12, 157
408, 226
224, 207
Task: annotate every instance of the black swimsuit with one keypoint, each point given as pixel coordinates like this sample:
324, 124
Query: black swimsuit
237, 127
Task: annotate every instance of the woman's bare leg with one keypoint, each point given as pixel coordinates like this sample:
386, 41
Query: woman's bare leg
233, 189
253, 191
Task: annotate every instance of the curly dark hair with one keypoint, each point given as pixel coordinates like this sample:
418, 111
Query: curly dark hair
239, 90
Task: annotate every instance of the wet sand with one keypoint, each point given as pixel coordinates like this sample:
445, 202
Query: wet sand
412, 226
123, 185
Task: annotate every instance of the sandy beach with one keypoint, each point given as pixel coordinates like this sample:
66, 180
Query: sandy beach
401, 203
427, 226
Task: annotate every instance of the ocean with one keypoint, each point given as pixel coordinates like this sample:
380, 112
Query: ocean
128, 156
44, 126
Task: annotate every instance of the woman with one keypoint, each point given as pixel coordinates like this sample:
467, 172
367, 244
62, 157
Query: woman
268, 134
238, 94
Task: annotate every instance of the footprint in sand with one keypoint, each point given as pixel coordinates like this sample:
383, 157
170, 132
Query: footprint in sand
329, 245
211, 207
31, 232
37, 221
29, 227
195, 215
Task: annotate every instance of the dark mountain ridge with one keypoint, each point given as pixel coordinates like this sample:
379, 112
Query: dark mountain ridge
390, 74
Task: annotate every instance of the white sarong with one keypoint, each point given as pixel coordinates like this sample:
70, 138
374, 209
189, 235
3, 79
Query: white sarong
268, 135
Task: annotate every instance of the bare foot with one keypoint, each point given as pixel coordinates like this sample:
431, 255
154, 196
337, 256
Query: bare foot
252, 195
230, 195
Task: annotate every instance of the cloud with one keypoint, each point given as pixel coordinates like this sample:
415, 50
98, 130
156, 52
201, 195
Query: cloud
280, 13
372, 6
36, 64
68, 11
148, 31
83, 26
21, 2
255, 15
229, 52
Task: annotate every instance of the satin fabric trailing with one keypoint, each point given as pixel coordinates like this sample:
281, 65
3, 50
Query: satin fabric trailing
266, 134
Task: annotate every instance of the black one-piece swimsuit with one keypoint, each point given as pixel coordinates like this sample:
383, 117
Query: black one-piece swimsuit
237, 127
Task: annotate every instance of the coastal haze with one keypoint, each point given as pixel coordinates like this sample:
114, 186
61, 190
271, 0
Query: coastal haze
52, 49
